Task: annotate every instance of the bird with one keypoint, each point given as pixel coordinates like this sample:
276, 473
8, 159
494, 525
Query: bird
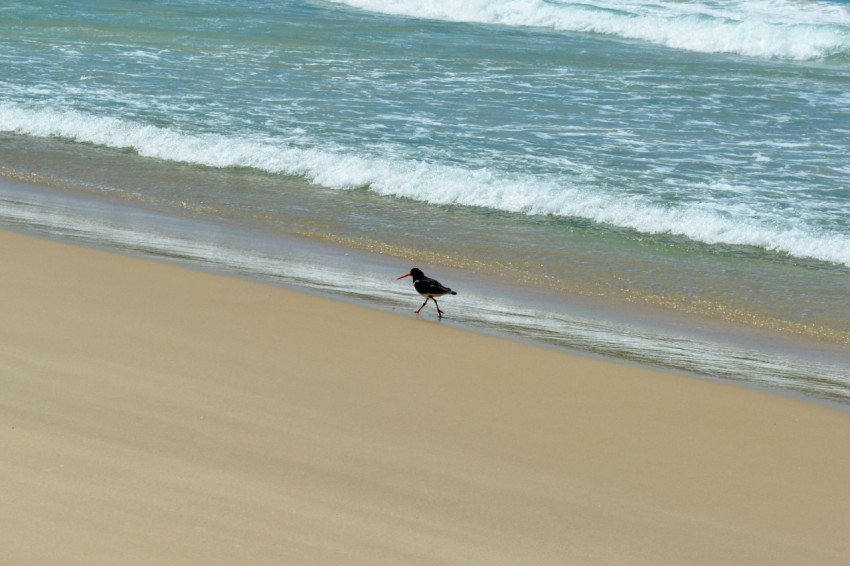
428, 288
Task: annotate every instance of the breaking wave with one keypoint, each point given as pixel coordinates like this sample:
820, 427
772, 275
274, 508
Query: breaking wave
772, 29
438, 183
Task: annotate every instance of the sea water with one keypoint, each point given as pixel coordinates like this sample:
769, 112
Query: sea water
662, 181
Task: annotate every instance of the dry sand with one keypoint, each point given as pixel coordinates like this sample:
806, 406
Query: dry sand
152, 414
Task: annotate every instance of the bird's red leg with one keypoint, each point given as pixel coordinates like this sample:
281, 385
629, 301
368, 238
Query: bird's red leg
439, 312
423, 305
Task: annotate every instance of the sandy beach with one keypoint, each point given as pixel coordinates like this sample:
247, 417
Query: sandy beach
153, 414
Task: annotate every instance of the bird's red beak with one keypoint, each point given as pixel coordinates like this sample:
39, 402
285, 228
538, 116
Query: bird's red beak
403, 276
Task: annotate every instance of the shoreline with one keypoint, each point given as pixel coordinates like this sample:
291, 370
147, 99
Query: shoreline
161, 414
635, 333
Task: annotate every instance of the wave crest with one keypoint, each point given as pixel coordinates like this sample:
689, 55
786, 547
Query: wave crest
435, 183
777, 31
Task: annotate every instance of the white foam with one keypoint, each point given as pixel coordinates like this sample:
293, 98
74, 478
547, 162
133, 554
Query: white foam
712, 223
763, 28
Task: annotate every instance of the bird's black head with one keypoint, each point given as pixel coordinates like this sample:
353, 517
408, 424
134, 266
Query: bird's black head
417, 274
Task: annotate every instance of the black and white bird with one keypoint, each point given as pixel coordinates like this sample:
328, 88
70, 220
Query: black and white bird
428, 288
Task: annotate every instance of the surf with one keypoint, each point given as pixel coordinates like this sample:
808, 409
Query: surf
566, 196
775, 30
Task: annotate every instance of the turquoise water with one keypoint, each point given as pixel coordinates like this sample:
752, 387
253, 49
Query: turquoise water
684, 160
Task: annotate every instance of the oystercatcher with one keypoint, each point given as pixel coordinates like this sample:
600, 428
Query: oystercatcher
428, 288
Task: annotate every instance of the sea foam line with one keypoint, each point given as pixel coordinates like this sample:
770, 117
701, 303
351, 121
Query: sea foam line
436, 183
746, 28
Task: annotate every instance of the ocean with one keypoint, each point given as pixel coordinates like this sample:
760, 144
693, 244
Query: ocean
663, 182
